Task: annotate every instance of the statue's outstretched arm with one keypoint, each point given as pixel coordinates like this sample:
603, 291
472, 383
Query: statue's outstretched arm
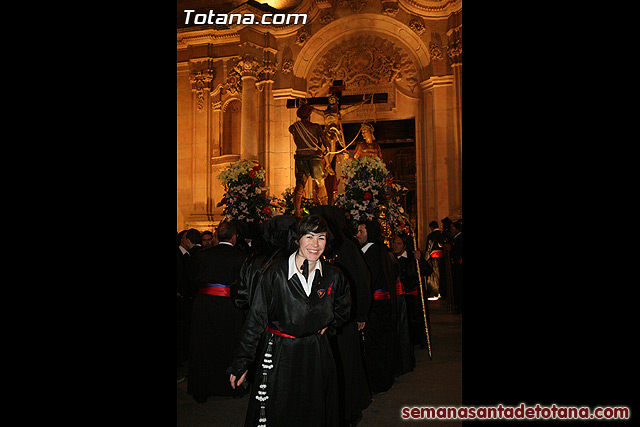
350, 108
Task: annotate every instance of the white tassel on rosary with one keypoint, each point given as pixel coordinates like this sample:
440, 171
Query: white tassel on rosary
262, 393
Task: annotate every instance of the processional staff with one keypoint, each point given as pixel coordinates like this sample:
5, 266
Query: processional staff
424, 311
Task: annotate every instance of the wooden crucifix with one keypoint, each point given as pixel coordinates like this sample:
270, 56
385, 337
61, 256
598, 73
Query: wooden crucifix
336, 89
333, 124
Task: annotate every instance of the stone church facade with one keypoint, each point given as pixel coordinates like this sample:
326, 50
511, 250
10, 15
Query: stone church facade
233, 83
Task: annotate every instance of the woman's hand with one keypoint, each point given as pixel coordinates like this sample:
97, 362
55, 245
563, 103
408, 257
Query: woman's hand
321, 332
232, 379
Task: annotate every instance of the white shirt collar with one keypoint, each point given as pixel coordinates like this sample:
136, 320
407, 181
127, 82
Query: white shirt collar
183, 250
403, 254
365, 247
306, 284
226, 243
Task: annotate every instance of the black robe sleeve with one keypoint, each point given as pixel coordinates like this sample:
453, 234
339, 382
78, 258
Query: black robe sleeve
342, 301
253, 328
351, 261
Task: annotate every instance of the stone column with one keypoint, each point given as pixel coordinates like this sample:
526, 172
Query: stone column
249, 131
249, 67
202, 73
440, 159
454, 53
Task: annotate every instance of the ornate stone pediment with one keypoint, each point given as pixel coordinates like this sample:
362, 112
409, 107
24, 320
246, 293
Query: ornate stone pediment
361, 62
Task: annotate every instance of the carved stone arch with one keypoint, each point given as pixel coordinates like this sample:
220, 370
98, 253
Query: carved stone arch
363, 25
232, 100
231, 126
365, 63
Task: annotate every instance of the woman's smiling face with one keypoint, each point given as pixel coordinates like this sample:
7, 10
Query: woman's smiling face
312, 245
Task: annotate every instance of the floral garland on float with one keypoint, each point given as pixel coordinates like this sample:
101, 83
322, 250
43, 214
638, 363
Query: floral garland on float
371, 193
287, 203
245, 196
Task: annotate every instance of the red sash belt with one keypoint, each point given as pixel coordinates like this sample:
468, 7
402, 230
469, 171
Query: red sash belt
399, 288
436, 254
215, 289
413, 292
277, 332
380, 295
456, 261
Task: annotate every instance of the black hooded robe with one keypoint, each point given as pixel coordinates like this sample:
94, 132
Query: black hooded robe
353, 389
379, 333
295, 382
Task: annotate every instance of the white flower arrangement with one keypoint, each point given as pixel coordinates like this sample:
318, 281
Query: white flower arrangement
245, 194
367, 187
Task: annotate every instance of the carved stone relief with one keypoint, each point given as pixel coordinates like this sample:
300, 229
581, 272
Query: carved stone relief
233, 84
247, 65
363, 61
201, 75
390, 8
454, 51
302, 36
417, 26
287, 66
325, 19
435, 52
355, 5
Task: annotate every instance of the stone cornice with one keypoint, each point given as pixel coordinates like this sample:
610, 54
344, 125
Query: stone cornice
436, 81
204, 36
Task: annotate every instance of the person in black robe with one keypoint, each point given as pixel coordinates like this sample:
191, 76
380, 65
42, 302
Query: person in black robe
188, 247
402, 248
404, 355
298, 300
216, 322
444, 244
278, 235
379, 333
183, 285
249, 238
344, 252
455, 255
433, 257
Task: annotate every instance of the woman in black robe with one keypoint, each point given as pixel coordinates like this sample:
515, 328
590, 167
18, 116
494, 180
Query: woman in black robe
344, 253
297, 300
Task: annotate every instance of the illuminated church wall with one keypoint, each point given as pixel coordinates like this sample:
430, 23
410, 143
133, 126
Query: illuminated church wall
233, 84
